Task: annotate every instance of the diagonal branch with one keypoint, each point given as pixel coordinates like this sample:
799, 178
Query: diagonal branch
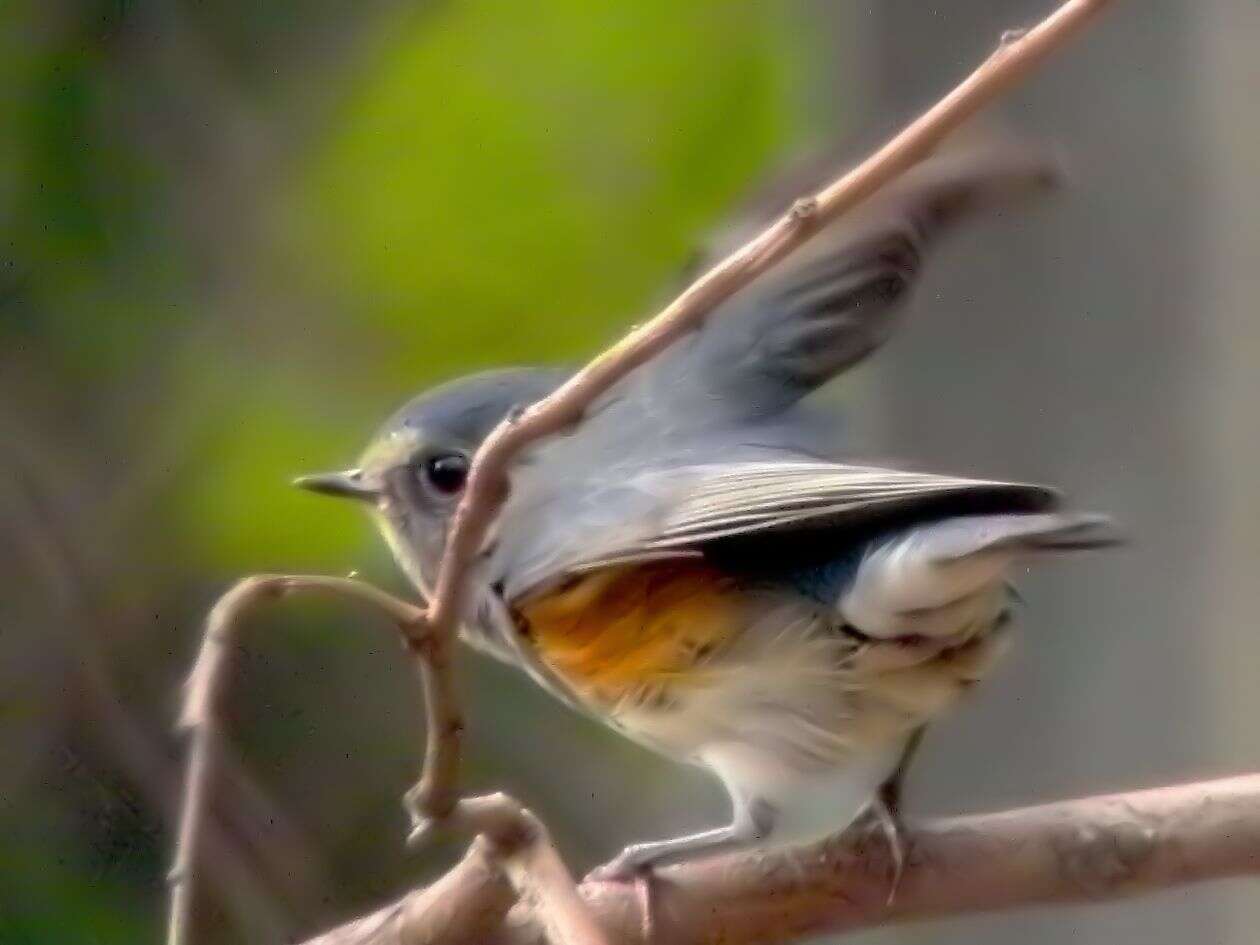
1091, 850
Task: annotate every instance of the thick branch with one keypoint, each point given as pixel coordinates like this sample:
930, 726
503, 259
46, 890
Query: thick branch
1089, 850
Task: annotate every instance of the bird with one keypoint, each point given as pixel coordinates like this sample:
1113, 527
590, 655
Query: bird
699, 563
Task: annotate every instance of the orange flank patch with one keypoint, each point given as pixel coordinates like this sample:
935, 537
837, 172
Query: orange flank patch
615, 631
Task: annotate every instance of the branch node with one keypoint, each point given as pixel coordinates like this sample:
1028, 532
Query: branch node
804, 210
1099, 859
427, 806
1011, 37
421, 829
417, 637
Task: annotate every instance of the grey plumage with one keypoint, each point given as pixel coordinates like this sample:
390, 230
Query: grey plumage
464, 411
835, 302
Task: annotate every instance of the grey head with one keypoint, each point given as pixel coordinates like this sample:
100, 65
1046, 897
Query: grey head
413, 471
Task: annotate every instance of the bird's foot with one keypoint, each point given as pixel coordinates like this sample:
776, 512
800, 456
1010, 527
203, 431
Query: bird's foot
631, 864
888, 821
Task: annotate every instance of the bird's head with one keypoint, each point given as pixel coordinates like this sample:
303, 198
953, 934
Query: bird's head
413, 472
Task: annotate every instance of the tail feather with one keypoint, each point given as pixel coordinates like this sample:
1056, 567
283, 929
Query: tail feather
1055, 531
936, 580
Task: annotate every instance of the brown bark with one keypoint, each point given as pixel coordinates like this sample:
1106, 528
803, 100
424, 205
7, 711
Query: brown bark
1091, 850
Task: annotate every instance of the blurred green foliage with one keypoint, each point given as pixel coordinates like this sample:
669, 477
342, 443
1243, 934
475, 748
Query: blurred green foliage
511, 184
232, 237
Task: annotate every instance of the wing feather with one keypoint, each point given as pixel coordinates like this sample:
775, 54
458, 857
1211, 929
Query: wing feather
741, 499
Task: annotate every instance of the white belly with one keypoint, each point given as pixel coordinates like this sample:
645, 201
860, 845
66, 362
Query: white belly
785, 725
808, 806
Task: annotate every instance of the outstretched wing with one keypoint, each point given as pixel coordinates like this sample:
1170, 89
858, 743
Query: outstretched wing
815, 313
832, 303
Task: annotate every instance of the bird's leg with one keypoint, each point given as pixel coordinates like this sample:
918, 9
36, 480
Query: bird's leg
890, 825
752, 823
885, 808
891, 792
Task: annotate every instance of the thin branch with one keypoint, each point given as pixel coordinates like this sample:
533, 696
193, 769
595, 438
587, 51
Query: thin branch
57, 561
465, 907
518, 843
545, 886
205, 687
511, 862
1091, 850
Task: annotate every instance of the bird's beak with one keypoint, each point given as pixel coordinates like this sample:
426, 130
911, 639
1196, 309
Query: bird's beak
351, 484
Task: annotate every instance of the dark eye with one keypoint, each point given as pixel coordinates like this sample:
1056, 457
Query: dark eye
446, 473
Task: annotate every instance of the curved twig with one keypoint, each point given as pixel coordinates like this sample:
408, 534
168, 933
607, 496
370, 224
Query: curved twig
514, 840
205, 686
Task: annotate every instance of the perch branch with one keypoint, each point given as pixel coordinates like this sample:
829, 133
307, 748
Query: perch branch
1091, 850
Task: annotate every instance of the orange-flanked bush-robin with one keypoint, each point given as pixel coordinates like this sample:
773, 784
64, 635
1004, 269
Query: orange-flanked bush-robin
696, 565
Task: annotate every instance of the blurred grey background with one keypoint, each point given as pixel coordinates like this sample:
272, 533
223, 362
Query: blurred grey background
233, 236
